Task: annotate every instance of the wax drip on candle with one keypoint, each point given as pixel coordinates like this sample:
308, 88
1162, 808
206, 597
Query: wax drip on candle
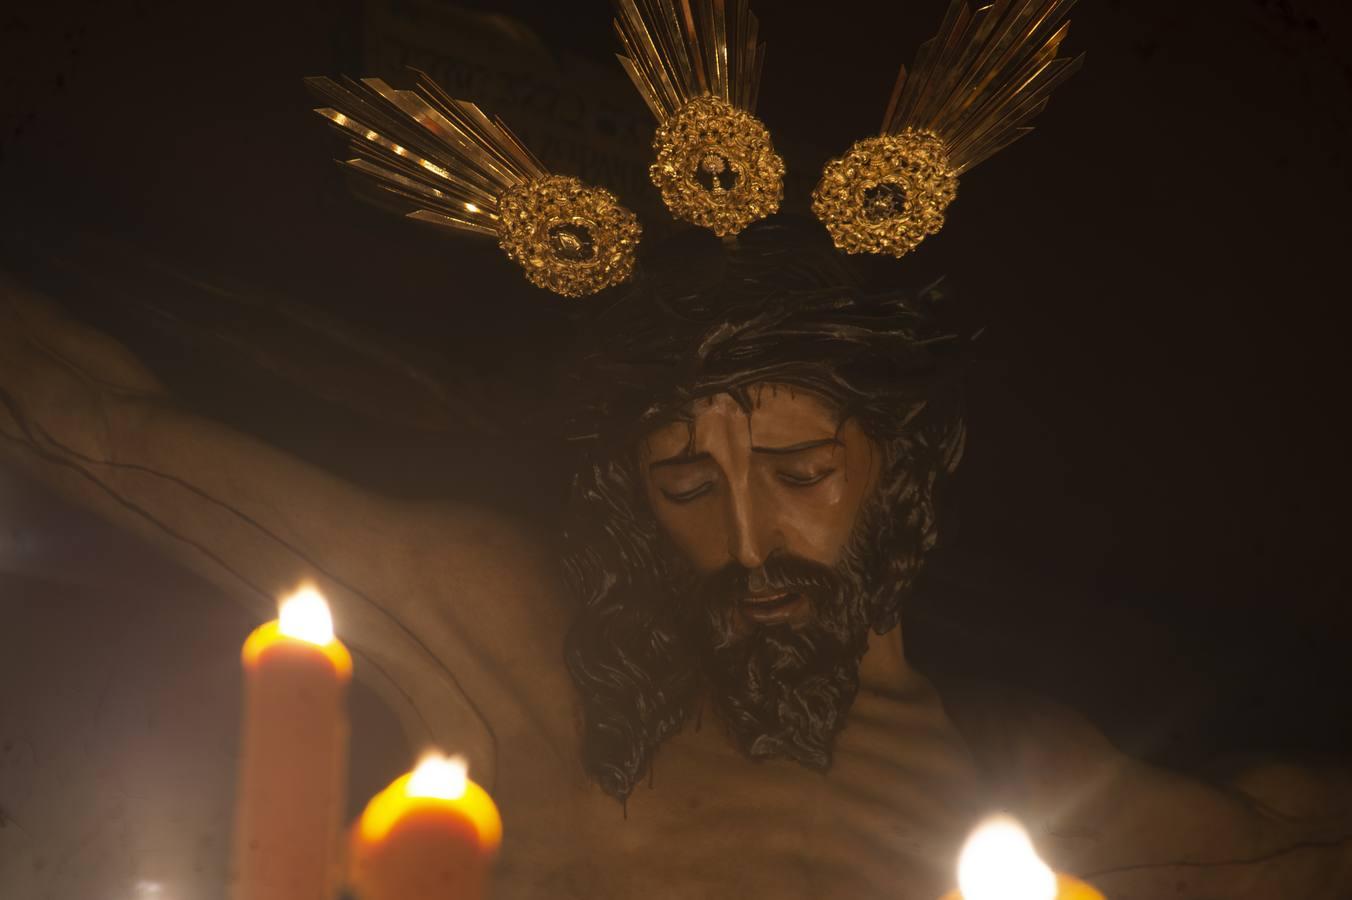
998, 862
305, 616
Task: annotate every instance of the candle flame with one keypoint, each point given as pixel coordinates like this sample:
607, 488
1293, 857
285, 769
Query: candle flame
998, 862
305, 617
442, 777
438, 786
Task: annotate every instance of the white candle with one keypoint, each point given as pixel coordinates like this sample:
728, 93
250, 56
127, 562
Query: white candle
293, 756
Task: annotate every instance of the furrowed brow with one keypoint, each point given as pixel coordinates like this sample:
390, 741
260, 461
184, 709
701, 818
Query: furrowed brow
680, 459
797, 448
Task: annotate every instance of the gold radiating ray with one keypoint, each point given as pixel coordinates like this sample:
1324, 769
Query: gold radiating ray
675, 52
443, 159
444, 162
972, 91
697, 64
985, 75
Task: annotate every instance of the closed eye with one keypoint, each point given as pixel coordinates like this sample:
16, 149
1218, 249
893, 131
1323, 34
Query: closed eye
797, 480
687, 496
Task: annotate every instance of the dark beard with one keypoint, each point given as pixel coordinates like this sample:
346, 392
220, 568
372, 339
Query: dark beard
785, 690
654, 638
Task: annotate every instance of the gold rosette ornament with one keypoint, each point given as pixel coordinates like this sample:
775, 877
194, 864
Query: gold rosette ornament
443, 161
975, 86
699, 71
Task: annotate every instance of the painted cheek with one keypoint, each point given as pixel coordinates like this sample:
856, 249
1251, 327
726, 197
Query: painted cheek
834, 490
814, 520
699, 532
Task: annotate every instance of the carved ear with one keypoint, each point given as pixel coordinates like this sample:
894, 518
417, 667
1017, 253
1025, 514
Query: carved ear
699, 71
975, 86
442, 161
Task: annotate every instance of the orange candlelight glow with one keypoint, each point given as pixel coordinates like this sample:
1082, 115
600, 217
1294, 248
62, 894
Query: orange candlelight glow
293, 758
999, 862
431, 835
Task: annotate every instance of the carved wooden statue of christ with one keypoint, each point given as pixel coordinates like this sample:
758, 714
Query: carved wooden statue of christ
701, 688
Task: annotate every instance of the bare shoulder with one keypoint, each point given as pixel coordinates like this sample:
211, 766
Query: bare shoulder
1013, 733
1136, 829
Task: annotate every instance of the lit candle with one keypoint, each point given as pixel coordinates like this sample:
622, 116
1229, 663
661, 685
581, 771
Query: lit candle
293, 757
431, 835
998, 862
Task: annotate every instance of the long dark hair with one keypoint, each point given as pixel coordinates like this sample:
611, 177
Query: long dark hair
781, 307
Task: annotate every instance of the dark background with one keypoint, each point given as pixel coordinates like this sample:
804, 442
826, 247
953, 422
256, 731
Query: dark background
1150, 523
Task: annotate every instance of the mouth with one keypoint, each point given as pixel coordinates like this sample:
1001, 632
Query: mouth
773, 608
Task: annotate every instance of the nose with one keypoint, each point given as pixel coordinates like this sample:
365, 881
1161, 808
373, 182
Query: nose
752, 535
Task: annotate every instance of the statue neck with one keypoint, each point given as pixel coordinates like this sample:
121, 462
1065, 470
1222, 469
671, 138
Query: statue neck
884, 668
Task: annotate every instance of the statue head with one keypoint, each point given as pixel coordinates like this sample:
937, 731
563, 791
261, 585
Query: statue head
764, 442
